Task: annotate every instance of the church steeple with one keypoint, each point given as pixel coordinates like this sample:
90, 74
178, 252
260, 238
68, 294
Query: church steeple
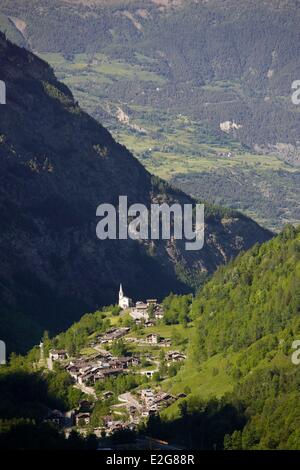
121, 293
124, 302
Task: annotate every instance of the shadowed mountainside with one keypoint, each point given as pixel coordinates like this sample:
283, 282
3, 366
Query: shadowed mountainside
57, 165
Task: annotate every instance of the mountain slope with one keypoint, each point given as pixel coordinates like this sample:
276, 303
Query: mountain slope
229, 61
246, 320
184, 85
256, 295
8, 27
57, 166
240, 379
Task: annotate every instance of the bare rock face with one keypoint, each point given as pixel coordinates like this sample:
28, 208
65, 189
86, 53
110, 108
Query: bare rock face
57, 165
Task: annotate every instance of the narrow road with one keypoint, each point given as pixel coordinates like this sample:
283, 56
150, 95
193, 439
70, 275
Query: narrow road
100, 349
85, 389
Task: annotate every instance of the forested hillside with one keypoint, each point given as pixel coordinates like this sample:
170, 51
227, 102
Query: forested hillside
238, 387
246, 319
256, 295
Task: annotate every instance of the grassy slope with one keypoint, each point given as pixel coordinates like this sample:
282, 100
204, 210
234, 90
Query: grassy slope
230, 353
238, 336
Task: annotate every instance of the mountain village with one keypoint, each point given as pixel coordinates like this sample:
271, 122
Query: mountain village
131, 408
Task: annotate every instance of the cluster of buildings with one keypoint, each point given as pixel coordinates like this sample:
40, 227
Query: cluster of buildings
153, 339
154, 401
58, 355
88, 371
147, 402
225, 154
112, 425
68, 419
175, 356
141, 311
113, 334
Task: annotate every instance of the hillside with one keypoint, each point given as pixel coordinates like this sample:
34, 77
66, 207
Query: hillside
10, 30
223, 373
245, 321
185, 84
57, 165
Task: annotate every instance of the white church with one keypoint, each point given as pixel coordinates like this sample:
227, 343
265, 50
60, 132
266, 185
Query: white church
124, 302
139, 311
